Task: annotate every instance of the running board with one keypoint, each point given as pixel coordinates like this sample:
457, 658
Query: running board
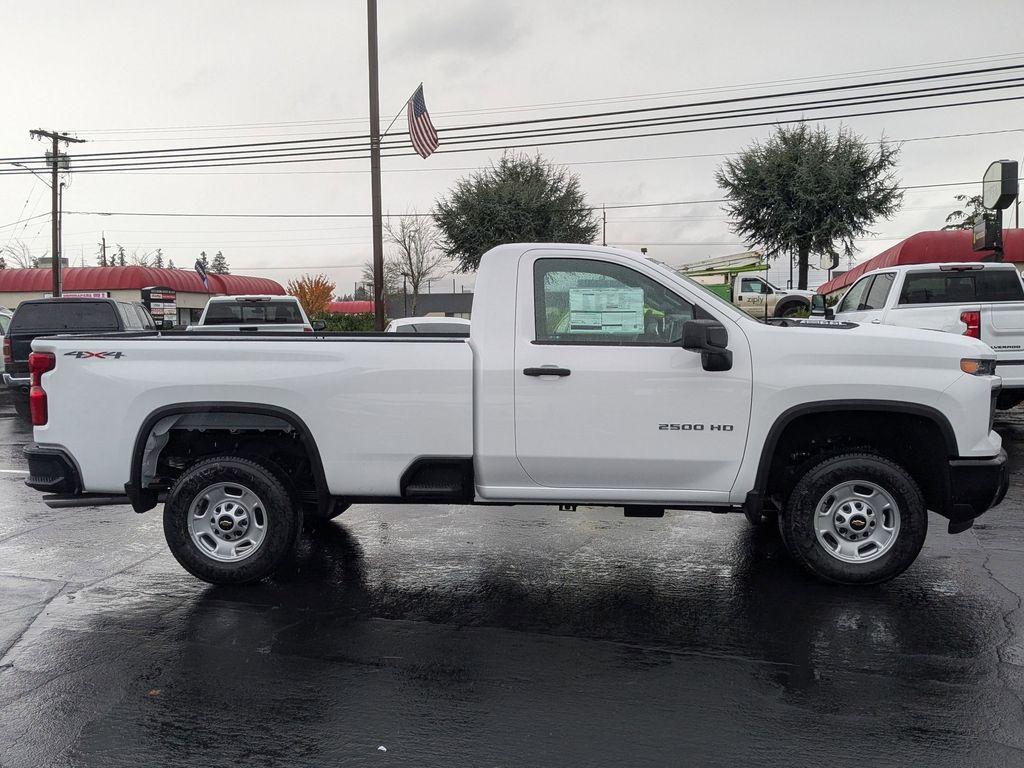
85, 500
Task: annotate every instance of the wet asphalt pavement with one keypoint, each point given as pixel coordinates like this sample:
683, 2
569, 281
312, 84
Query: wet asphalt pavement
503, 636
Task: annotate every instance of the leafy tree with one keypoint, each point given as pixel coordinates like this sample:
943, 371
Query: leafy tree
807, 191
122, 260
968, 216
521, 199
219, 265
314, 293
158, 259
416, 251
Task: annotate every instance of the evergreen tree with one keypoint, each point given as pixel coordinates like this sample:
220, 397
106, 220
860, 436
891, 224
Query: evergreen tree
158, 259
219, 265
3, 263
170, 264
808, 191
204, 261
122, 260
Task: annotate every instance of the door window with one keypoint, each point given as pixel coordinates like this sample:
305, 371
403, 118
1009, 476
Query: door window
583, 301
854, 297
753, 285
879, 291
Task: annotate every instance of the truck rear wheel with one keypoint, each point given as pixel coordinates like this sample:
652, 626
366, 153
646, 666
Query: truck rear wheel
856, 518
229, 520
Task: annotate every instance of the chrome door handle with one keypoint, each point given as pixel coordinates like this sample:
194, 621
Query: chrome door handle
876, 321
547, 370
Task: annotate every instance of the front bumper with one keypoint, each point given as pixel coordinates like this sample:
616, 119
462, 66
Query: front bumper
51, 470
975, 485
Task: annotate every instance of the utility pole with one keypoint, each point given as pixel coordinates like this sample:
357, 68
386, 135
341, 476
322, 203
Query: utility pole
604, 225
378, 224
103, 249
55, 161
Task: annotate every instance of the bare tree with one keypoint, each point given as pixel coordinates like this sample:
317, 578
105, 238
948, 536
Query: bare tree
416, 251
20, 254
392, 276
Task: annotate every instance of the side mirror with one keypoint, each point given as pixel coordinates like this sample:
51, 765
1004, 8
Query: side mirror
820, 309
318, 325
710, 338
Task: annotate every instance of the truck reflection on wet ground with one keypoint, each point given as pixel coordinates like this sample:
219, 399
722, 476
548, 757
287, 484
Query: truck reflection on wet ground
508, 636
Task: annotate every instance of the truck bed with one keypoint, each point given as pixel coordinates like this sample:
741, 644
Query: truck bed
358, 394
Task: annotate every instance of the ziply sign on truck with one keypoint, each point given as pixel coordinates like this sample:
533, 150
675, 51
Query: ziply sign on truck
846, 434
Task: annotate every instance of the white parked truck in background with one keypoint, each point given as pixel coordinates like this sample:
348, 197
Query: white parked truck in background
591, 376
741, 279
252, 314
982, 300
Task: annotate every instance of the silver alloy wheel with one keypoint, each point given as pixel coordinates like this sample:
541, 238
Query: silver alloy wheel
857, 521
227, 522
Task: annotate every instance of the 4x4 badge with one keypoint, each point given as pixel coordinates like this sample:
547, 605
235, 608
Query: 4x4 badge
100, 355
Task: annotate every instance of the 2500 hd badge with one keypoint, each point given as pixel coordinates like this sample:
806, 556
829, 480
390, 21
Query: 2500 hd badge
696, 427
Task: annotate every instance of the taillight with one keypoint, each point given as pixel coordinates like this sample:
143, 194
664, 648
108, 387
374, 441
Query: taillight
972, 319
306, 329
8, 354
38, 364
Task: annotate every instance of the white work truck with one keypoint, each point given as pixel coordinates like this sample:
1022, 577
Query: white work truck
591, 376
982, 300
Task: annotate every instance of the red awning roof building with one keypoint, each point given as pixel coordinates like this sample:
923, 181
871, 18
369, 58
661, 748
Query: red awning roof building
929, 248
133, 278
350, 307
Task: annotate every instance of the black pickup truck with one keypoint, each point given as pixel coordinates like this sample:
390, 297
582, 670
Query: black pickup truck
47, 317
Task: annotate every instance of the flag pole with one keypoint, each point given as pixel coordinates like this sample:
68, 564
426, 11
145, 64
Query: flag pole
399, 112
378, 225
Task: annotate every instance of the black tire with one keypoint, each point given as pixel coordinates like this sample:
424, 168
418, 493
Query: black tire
796, 524
283, 520
791, 309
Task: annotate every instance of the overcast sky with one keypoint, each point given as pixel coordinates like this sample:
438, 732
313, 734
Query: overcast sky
99, 68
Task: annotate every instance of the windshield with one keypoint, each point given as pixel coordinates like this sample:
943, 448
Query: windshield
278, 312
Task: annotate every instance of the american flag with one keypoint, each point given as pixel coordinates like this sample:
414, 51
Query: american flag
421, 130
201, 271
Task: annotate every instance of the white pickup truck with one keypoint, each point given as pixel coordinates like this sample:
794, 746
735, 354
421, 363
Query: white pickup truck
591, 376
252, 314
982, 300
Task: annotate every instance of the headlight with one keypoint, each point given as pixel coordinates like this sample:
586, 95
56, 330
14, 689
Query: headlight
977, 367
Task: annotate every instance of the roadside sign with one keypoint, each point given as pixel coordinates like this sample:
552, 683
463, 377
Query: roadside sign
999, 185
986, 234
162, 304
80, 295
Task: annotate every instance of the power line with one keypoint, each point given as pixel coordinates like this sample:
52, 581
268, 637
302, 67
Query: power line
582, 102
219, 164
346, 146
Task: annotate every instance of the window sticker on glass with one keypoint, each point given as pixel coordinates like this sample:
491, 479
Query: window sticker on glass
606, 310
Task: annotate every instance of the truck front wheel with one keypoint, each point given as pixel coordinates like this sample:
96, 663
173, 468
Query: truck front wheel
229, 520
856, 518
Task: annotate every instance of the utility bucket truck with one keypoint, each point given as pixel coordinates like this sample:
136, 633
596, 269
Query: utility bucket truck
741, 279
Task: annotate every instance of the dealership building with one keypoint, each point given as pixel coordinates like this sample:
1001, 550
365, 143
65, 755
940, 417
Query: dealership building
176, 295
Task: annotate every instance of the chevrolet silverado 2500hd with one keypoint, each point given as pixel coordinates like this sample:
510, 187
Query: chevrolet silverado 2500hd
590, 376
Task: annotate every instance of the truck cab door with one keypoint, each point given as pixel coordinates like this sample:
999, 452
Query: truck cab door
753, 296
865, 301
606, 398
